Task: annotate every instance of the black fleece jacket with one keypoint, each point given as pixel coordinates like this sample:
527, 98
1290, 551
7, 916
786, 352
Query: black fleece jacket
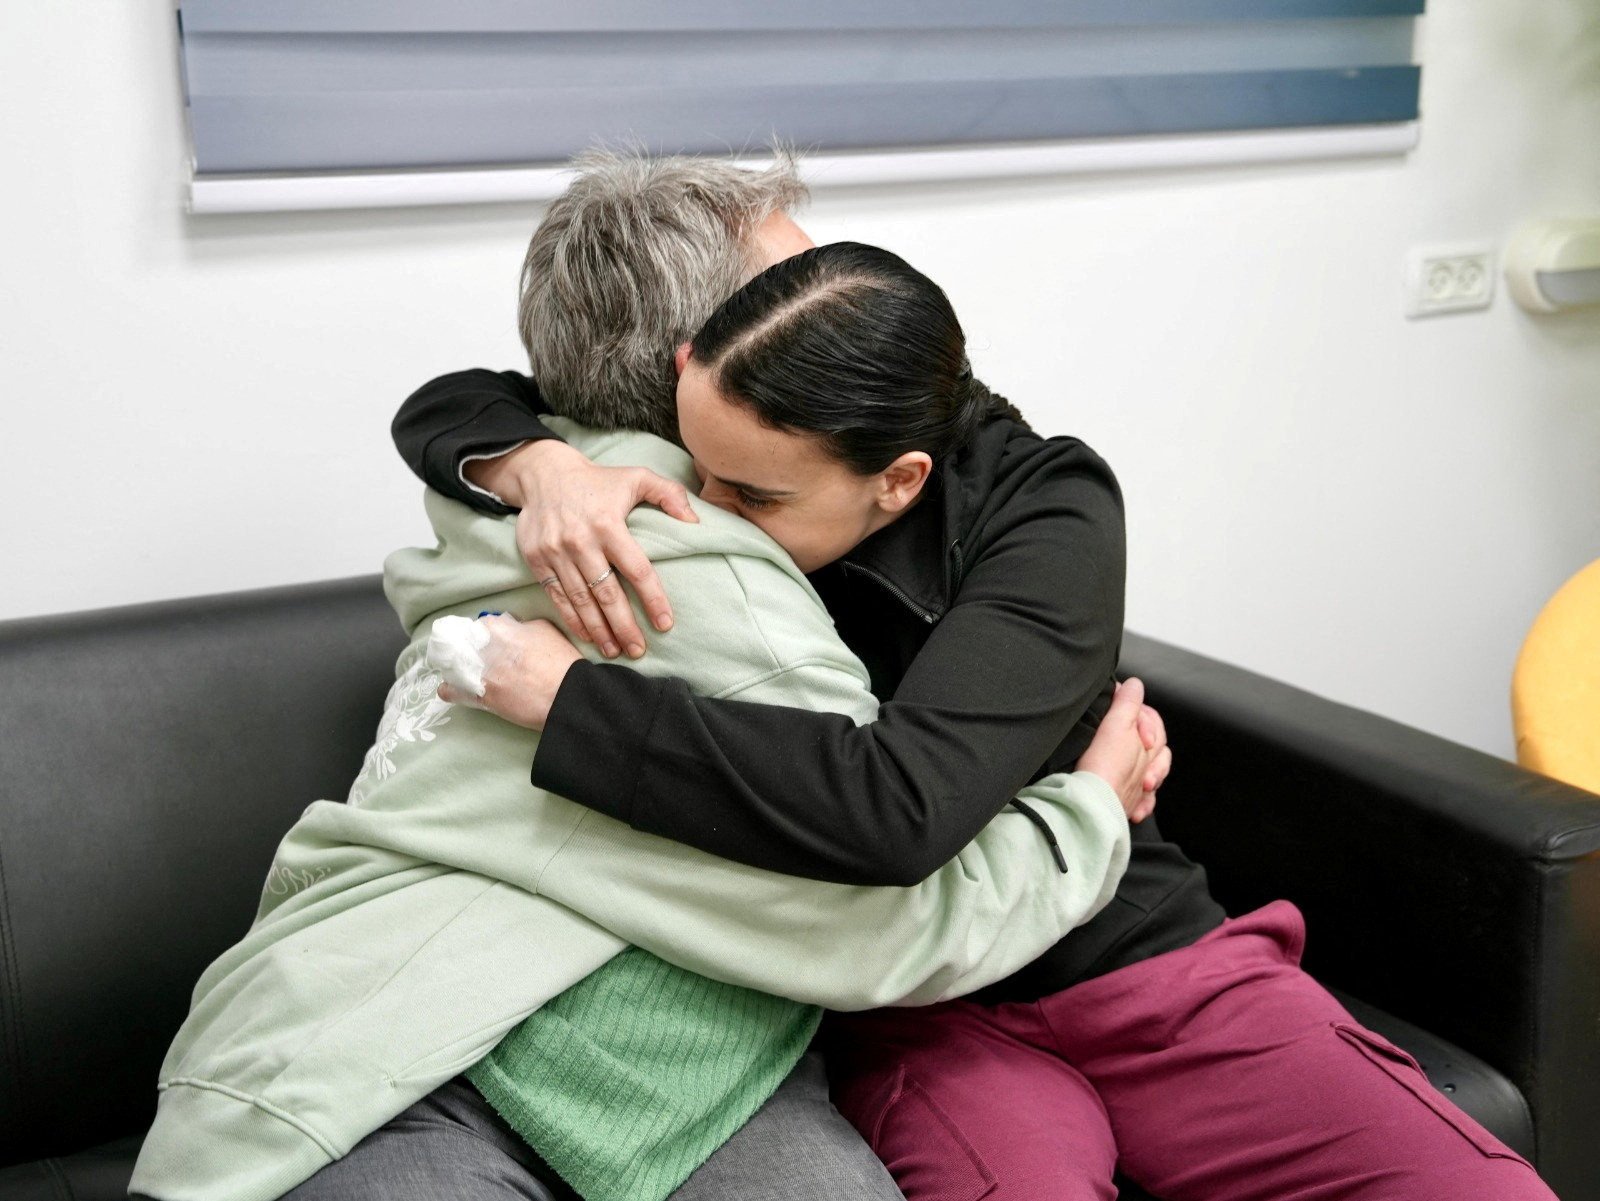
989, 618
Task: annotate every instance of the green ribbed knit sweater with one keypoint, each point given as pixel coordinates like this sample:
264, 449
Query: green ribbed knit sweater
627, 1082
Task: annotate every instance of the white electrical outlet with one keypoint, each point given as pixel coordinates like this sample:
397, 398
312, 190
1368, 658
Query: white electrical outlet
1448, 279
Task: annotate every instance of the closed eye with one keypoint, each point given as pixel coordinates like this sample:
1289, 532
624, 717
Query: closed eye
750, 501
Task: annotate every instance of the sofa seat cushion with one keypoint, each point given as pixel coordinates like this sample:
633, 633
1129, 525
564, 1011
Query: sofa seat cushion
98, 1174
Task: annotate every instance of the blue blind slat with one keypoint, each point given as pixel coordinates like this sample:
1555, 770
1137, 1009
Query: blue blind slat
272, 63
293, 85
374, 130
496, 16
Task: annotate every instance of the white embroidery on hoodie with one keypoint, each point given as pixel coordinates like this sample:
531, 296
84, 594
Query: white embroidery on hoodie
411, 714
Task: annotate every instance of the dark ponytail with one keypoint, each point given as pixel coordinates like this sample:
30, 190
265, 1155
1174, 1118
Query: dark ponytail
994, 405
850, 343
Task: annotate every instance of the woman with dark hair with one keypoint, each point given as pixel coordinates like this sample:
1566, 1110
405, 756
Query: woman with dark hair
977, 569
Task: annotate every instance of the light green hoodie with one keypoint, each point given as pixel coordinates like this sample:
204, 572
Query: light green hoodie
401, 934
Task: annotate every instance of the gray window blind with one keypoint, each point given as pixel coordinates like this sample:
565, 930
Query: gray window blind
279, 86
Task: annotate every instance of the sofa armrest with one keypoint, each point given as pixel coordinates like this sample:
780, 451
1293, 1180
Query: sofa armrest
1451, 888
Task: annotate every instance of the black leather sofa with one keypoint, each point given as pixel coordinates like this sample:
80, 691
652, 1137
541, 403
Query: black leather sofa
154, 755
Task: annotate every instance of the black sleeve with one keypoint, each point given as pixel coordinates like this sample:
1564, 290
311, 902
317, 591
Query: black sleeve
465, 413
1026, 651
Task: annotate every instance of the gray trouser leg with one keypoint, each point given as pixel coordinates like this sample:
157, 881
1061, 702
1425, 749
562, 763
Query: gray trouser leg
453, 1146
449, 1146
797, 1147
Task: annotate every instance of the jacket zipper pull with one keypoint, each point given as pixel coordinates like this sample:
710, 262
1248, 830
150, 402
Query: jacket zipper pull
1037, 819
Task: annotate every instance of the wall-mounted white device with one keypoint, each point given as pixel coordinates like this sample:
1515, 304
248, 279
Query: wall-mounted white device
1555, 265
1448, 279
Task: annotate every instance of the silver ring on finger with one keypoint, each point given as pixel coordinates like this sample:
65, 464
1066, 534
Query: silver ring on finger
555, 579
604, 576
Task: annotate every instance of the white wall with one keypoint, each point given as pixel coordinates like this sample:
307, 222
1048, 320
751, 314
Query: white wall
1317, 488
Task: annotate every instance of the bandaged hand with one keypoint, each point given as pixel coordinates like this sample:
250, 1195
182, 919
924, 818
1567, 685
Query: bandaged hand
510, 668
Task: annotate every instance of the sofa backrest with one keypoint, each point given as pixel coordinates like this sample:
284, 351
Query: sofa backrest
150, 759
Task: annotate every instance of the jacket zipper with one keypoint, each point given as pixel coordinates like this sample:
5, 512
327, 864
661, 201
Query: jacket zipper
894, 590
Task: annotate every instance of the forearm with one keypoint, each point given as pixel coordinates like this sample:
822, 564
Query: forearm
455, 416
772, 786
509, 475
994, 908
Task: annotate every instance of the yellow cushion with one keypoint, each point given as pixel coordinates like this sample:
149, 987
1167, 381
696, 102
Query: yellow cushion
1555, 692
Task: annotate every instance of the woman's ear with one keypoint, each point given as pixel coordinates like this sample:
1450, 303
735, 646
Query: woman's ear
903, 480
680, 359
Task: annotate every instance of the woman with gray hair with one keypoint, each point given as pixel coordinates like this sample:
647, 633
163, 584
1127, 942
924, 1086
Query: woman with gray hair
447, 918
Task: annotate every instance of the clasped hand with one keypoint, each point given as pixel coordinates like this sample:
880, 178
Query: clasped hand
1130, 751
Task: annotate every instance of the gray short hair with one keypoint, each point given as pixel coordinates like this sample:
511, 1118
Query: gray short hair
627, 264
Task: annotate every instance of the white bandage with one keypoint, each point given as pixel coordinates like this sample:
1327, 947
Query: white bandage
455, 651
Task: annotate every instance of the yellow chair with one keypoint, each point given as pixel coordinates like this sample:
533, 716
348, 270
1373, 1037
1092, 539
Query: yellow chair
1555, 691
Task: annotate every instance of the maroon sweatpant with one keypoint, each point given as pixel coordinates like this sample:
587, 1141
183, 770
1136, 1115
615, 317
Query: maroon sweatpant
1217, 1072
